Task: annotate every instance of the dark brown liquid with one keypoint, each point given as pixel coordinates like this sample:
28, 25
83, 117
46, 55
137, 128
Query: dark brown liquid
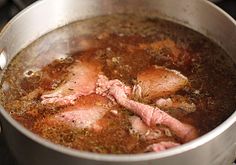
119, 43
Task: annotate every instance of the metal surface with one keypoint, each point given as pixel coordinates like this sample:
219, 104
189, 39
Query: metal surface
31, 24
3, 60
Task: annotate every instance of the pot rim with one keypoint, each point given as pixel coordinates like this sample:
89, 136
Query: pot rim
113, 157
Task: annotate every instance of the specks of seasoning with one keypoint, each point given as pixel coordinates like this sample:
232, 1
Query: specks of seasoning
196, 92
114, 112
115, 60
121, 34
108, 49
167, 132
114, 137
98, 103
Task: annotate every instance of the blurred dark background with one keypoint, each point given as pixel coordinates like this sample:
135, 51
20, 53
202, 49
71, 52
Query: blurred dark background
9, 8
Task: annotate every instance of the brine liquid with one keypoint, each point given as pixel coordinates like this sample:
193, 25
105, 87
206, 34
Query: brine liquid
116, 42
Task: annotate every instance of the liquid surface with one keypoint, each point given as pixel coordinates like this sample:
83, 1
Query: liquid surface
124, 45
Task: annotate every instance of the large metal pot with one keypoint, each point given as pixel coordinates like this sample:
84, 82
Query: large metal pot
217, 147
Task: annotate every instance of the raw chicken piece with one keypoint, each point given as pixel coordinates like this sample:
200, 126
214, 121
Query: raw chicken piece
144, 131
162, 146
159, 81
80, 82
84, 114
176, 102
150, 115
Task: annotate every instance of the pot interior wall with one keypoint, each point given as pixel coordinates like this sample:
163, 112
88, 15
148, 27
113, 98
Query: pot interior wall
34, 22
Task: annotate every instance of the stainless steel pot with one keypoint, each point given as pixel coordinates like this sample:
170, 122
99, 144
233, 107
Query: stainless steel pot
217, 147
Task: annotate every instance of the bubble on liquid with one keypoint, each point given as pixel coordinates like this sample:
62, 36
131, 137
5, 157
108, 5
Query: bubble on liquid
69, 59
66, 59
31, 72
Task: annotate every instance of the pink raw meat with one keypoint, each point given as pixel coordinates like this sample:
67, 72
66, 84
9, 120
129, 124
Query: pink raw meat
150, 115
157, 147
80, 82
84, 114
144, 131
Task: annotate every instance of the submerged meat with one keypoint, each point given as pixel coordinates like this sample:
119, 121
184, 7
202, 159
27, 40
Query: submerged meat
150, 115
144, 131
168, 53
176, 102
81, 118
103, 86
169, 44
80, 82
157, 147
159, 81
84, 114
